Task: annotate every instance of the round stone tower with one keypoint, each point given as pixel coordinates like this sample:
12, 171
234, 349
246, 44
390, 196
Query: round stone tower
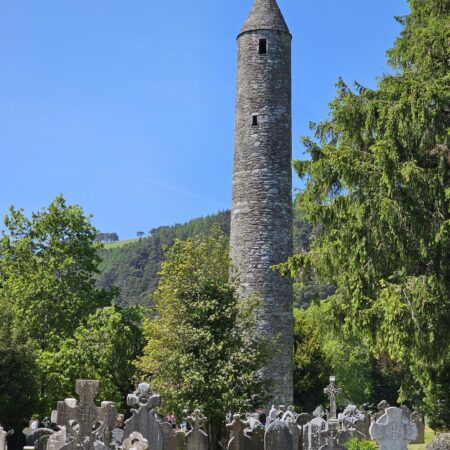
261, 218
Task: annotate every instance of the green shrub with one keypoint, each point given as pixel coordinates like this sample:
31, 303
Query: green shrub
360, 444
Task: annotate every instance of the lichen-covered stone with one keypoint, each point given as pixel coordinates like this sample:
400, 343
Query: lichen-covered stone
440, 442
261, 221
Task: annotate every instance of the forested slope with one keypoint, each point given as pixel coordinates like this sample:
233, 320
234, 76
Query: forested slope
133, 267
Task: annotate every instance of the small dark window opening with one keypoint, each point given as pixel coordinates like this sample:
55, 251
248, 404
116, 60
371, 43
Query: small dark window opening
255, 120
262, 46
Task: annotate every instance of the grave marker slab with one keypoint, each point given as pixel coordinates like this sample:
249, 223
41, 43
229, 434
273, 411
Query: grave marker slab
393, 430
277, 436
197, 439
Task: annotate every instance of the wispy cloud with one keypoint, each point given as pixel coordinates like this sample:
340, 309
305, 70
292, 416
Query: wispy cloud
185, 192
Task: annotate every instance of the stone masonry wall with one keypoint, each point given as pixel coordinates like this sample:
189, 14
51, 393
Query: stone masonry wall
261, 221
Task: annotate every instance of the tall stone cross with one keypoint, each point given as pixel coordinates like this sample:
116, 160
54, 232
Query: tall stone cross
332, 391
87, 415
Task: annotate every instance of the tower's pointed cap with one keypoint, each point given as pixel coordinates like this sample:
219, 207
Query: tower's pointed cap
265, 15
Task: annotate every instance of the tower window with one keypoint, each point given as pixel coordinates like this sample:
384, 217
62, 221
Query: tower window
255, 120
262, 49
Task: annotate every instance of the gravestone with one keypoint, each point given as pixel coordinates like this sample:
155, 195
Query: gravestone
135, 441
319, 412
332, 391
302, 421
181, 439
277, 436
348, 424
238, 439
116, 438
57, 440
91, 420
273, 415
290, 419
144, 419
416, 417
3, 435
38, 438
256, 434
393, 430
169, 436
382, 406
314, 436
331, 437
440, 442
196, 438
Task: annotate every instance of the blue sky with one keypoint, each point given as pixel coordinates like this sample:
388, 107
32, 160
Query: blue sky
127, 106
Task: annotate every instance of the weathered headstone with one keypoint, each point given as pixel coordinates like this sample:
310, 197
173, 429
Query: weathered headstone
135, 441
393, 430
273, 415
40, 434
416, 417
319, 412
382, 406
440, 442
3, 435
116, 438
332, 391
314, 436
278, 436
181, 439
144, 419
169, 436
57, 440
256, 434
302, 421
348, 424
238, 439
91, 419
331, 437
196, 438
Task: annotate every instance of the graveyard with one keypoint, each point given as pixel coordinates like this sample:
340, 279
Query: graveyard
296, 319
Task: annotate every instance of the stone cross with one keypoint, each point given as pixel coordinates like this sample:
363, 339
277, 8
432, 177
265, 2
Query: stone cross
197, 419
332, 391
87, 415
393, 430
238, 441
135, 441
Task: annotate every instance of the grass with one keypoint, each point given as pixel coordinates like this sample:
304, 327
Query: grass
120, 243
429, 435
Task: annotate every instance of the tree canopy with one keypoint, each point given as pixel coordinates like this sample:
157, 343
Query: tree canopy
378, 183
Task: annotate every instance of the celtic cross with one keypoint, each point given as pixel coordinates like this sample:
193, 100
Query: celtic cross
332, 391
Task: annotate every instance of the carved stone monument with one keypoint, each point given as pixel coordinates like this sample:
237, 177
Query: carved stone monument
92, 421
239, 440
135, 441
393, 430
144, 419
332, 391
197, 439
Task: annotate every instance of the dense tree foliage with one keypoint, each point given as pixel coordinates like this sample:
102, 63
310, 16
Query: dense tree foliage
203, 350
378, 182
55, 325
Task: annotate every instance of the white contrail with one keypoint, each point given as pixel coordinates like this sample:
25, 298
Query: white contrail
184, 191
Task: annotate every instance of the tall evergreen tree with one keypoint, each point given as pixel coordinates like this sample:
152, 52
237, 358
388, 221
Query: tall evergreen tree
378, 182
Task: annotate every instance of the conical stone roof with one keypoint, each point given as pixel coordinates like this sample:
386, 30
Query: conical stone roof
265, 15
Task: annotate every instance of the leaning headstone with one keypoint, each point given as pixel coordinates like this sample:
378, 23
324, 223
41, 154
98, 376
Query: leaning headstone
87, 416
196, 438
277, 436
238, 439
57, 440
135, 441
440, 442
169, 436
416, 417
393, 430
144, 419
314, 436
3, 434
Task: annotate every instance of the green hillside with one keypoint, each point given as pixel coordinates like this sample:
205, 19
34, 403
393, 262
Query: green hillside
133, 265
